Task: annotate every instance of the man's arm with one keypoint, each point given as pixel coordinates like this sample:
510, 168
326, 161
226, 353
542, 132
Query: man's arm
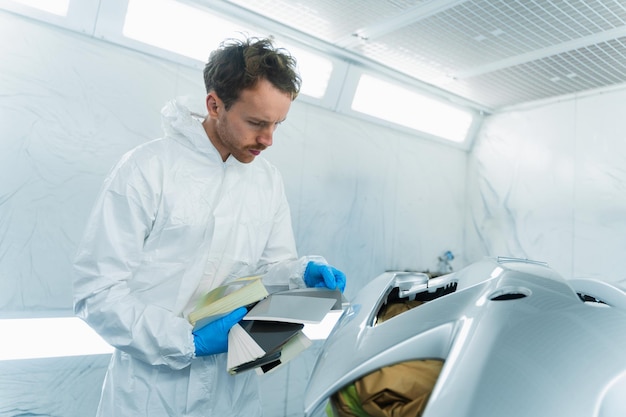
106, 259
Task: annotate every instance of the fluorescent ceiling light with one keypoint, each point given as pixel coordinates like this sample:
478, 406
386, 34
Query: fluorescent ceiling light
179, 28
400, 105
314, 69
57, 7
48, 338
193, 32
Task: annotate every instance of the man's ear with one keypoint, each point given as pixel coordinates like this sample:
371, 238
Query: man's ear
213, 104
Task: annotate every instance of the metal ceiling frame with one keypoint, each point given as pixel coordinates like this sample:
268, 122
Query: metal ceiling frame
408, 17
486, 54
304, 40
544, 53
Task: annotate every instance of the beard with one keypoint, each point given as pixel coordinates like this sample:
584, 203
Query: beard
231, 142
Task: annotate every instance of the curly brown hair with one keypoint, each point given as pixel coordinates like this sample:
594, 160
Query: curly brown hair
239, 64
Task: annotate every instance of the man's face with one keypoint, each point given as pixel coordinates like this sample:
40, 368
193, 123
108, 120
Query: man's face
247, 128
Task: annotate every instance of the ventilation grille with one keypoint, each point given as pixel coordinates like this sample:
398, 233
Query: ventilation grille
495, 53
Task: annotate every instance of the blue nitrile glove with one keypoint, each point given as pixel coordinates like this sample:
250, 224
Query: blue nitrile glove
318, 274
213, 338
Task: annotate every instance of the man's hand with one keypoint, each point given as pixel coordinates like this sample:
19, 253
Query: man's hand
318, 274
213, 338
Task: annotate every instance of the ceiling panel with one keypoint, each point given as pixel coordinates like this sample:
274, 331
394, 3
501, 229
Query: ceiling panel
495, 53
329, 20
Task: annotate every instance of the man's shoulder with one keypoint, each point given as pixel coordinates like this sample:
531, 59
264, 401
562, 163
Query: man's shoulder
161, 147
152, 146
144, 156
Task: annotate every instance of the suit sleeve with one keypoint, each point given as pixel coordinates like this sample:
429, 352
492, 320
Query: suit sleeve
104, 265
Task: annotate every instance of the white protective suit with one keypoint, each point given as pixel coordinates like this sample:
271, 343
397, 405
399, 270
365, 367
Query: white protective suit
174, 221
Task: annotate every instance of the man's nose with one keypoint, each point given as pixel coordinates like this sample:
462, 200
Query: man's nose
266, 137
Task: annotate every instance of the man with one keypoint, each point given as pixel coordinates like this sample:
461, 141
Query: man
179, 216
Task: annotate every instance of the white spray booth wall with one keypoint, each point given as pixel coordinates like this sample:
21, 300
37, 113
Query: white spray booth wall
545, 183
549, 184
